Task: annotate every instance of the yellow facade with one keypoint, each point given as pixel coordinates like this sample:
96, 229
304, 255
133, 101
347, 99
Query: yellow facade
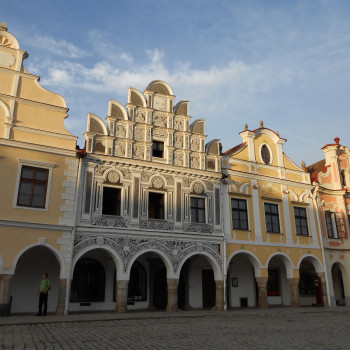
265, 204
38, 169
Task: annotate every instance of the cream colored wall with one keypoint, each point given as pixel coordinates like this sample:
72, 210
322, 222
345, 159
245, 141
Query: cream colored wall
265, 139
9, 164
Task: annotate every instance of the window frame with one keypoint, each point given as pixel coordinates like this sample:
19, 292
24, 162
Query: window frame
239, 211
332, 219
273, 214
164, 205
270, 154
205, 209
156, 142
38, 165
307, 234
120, 199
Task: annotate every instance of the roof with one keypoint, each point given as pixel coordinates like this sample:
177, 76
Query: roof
315, 168
234, 149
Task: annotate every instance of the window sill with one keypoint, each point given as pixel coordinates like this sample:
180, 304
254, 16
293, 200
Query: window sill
30, 208
274, 233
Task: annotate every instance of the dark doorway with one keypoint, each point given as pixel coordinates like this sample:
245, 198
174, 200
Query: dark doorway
208, 288
160, 294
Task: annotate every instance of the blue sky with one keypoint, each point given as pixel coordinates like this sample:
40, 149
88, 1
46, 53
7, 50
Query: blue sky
284, 62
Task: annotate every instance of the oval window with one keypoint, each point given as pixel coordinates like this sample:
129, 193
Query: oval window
265, 154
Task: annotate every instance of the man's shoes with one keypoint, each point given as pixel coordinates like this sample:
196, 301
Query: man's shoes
44, 315
38, 314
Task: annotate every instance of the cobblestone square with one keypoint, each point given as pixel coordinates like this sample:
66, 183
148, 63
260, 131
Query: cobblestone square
306, 328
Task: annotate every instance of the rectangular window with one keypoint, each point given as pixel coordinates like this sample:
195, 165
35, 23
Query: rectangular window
239, 214
158, 149
272, 218
335, 224
32, 187
111, 201
301, 221
197, 209
156, 206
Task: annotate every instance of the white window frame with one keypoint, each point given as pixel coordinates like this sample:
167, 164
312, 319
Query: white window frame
307, 220
35, 164
164, 193
271, 154
205, 209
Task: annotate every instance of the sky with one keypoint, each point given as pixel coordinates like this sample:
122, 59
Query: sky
237, 61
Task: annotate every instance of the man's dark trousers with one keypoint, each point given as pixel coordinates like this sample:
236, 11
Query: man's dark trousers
43, 300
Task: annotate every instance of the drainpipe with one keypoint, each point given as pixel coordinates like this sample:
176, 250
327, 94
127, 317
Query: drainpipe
322, 247
75, 215
224, 243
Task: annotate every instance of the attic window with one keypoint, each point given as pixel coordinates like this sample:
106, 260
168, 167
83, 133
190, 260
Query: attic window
265, 154
158, 149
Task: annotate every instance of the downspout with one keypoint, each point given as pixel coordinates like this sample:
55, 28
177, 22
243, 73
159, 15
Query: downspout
321, 242
81, 155
224, 243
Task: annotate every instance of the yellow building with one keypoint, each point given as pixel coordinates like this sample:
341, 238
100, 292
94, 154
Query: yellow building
273, 250
38, 171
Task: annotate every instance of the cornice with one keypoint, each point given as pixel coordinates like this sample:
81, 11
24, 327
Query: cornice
35, 225
45, 132
21, 74
39, 148
34, 103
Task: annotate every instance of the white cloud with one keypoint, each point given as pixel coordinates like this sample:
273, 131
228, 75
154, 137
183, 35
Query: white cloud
57, 47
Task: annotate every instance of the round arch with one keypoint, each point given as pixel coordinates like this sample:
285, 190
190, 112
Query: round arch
116, 258
163, 256
53, 250
313, 260
286, 261
251, 257
215, 266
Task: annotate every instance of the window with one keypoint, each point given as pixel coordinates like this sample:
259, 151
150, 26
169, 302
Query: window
137, 288
272, 218
335, 224
239, 214
273, 283
301, 221
197, 209
265, 154
111, 201
156, 206
32, 187
88, 281
158, 149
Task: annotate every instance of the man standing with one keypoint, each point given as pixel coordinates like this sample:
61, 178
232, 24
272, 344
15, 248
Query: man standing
43, 292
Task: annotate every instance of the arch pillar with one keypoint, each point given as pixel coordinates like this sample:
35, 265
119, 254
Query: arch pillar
322, 276
219, 304
5, 298
172, 294
122, 296
62, 292
262, 289
294, 291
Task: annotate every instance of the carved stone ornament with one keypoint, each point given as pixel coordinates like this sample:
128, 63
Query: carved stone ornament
121, 131
198, 187
126, 174
120, 149
170, 180
199, 228
139, 152
179, 159
113, 177
100, 169
195, 162
163, 225
269, 190
195, 144
140, 117
139, 134
157, 182
126, 248
146, 176
179, 124
188, 181
208, 185
4, 41
110, 222
178, 141
160, 120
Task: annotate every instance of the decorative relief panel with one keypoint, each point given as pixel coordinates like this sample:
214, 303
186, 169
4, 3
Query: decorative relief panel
195, 144
159, 120
208, 185
150, 224
159, 134
127, 247
269, 190
121, 131
196, 227
110, 222
170, 180
120, 149
146, 176
198, 188
179, 159
195, 162
113, 177
157, 182
140, 117
140, 134
179, 141
139, 152
126, 173
179, 125
188, 181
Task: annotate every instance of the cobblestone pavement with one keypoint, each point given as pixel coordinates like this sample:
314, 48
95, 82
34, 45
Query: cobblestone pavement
283, 328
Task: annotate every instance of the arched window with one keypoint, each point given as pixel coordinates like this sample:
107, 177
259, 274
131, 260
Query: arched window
137, 289
265, 154
88, 281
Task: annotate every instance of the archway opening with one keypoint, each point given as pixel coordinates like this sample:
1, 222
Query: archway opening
196, 287
241, 283
308, 284
147, 286
26, 280
278, 290
338, 285
94, 282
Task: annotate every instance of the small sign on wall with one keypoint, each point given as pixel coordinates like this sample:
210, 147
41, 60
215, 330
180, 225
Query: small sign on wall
234, 281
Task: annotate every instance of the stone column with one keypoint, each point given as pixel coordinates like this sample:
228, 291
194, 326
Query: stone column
5, 284
262, 283
294, 291
122, 295
324, 288
61, 297
219, 305
172, 294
